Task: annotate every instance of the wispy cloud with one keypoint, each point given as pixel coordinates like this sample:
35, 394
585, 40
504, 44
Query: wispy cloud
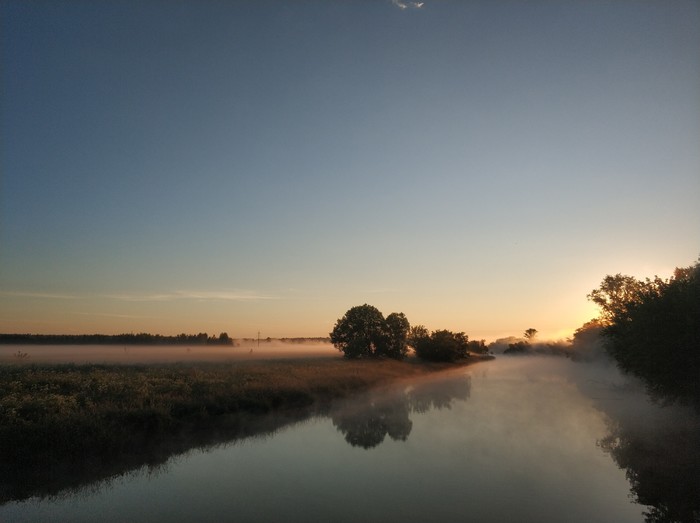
236, 295
42, 295
407, 5
110, 315
195, 295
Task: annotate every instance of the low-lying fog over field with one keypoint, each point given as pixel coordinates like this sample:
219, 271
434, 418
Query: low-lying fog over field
241, 350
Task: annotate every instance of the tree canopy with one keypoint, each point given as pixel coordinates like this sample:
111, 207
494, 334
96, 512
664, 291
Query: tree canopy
652, 328
530, 334
440, 345
363, 331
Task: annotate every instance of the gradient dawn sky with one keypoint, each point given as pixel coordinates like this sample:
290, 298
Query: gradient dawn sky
244, 166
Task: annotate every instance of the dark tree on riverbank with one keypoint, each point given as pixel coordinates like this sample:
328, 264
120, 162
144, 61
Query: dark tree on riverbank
440, 345
652, 329
397, 330
363, 331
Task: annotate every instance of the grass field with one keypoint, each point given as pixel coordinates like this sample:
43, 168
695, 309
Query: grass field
67, 425
101, 408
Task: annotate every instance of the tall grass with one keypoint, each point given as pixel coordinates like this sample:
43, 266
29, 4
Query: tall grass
51, 415
74, 406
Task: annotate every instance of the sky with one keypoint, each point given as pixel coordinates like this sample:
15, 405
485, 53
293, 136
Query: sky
263, 166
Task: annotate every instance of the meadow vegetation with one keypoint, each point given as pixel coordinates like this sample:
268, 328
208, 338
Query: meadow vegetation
49, 411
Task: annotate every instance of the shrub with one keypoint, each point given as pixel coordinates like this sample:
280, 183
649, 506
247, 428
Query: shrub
441, 345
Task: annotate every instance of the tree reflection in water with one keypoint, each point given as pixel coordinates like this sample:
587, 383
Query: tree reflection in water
366, 422
661, 455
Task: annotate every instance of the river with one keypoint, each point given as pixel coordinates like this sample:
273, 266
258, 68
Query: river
522, 439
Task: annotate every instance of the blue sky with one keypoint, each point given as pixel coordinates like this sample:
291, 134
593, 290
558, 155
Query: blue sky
263, 166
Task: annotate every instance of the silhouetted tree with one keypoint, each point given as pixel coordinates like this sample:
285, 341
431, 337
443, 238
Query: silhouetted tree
363, 331
652, 329
397, 333
477, 346
587, 341
440, 345
417, 333
615, 296
519, 347
224, 339
530, 334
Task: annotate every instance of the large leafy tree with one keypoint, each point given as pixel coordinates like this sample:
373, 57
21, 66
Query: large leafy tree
652, 328
616, 296
397, 330
363, 331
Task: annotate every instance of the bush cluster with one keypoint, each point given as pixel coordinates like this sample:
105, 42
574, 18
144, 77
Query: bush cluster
440, 345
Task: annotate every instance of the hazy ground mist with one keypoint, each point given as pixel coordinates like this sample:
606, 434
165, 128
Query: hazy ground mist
245, 350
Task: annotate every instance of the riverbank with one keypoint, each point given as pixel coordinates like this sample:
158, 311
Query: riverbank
49, 411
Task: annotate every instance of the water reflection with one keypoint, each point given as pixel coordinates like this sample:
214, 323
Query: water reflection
522, 447
439, 395
660, 454
516, 441
366, 422
51, 475
655, 441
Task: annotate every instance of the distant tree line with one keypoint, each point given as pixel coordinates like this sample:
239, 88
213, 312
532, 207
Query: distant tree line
118, 339
652, 329
527, 346
306, 340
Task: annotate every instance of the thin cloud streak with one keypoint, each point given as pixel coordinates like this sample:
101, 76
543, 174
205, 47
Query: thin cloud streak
52, 296
109, 315
164, 296
194, 295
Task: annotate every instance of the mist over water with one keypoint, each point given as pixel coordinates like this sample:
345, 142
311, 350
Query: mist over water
539, 439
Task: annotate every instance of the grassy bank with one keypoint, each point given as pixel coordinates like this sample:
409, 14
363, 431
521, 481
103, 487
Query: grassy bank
65, 426
49, 412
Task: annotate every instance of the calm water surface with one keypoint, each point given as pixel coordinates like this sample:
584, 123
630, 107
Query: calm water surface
515, 439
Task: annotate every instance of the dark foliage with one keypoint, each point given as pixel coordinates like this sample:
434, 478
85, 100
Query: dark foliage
440, 345
477, 346
363, 331
652, 329
662, 464
519, 347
